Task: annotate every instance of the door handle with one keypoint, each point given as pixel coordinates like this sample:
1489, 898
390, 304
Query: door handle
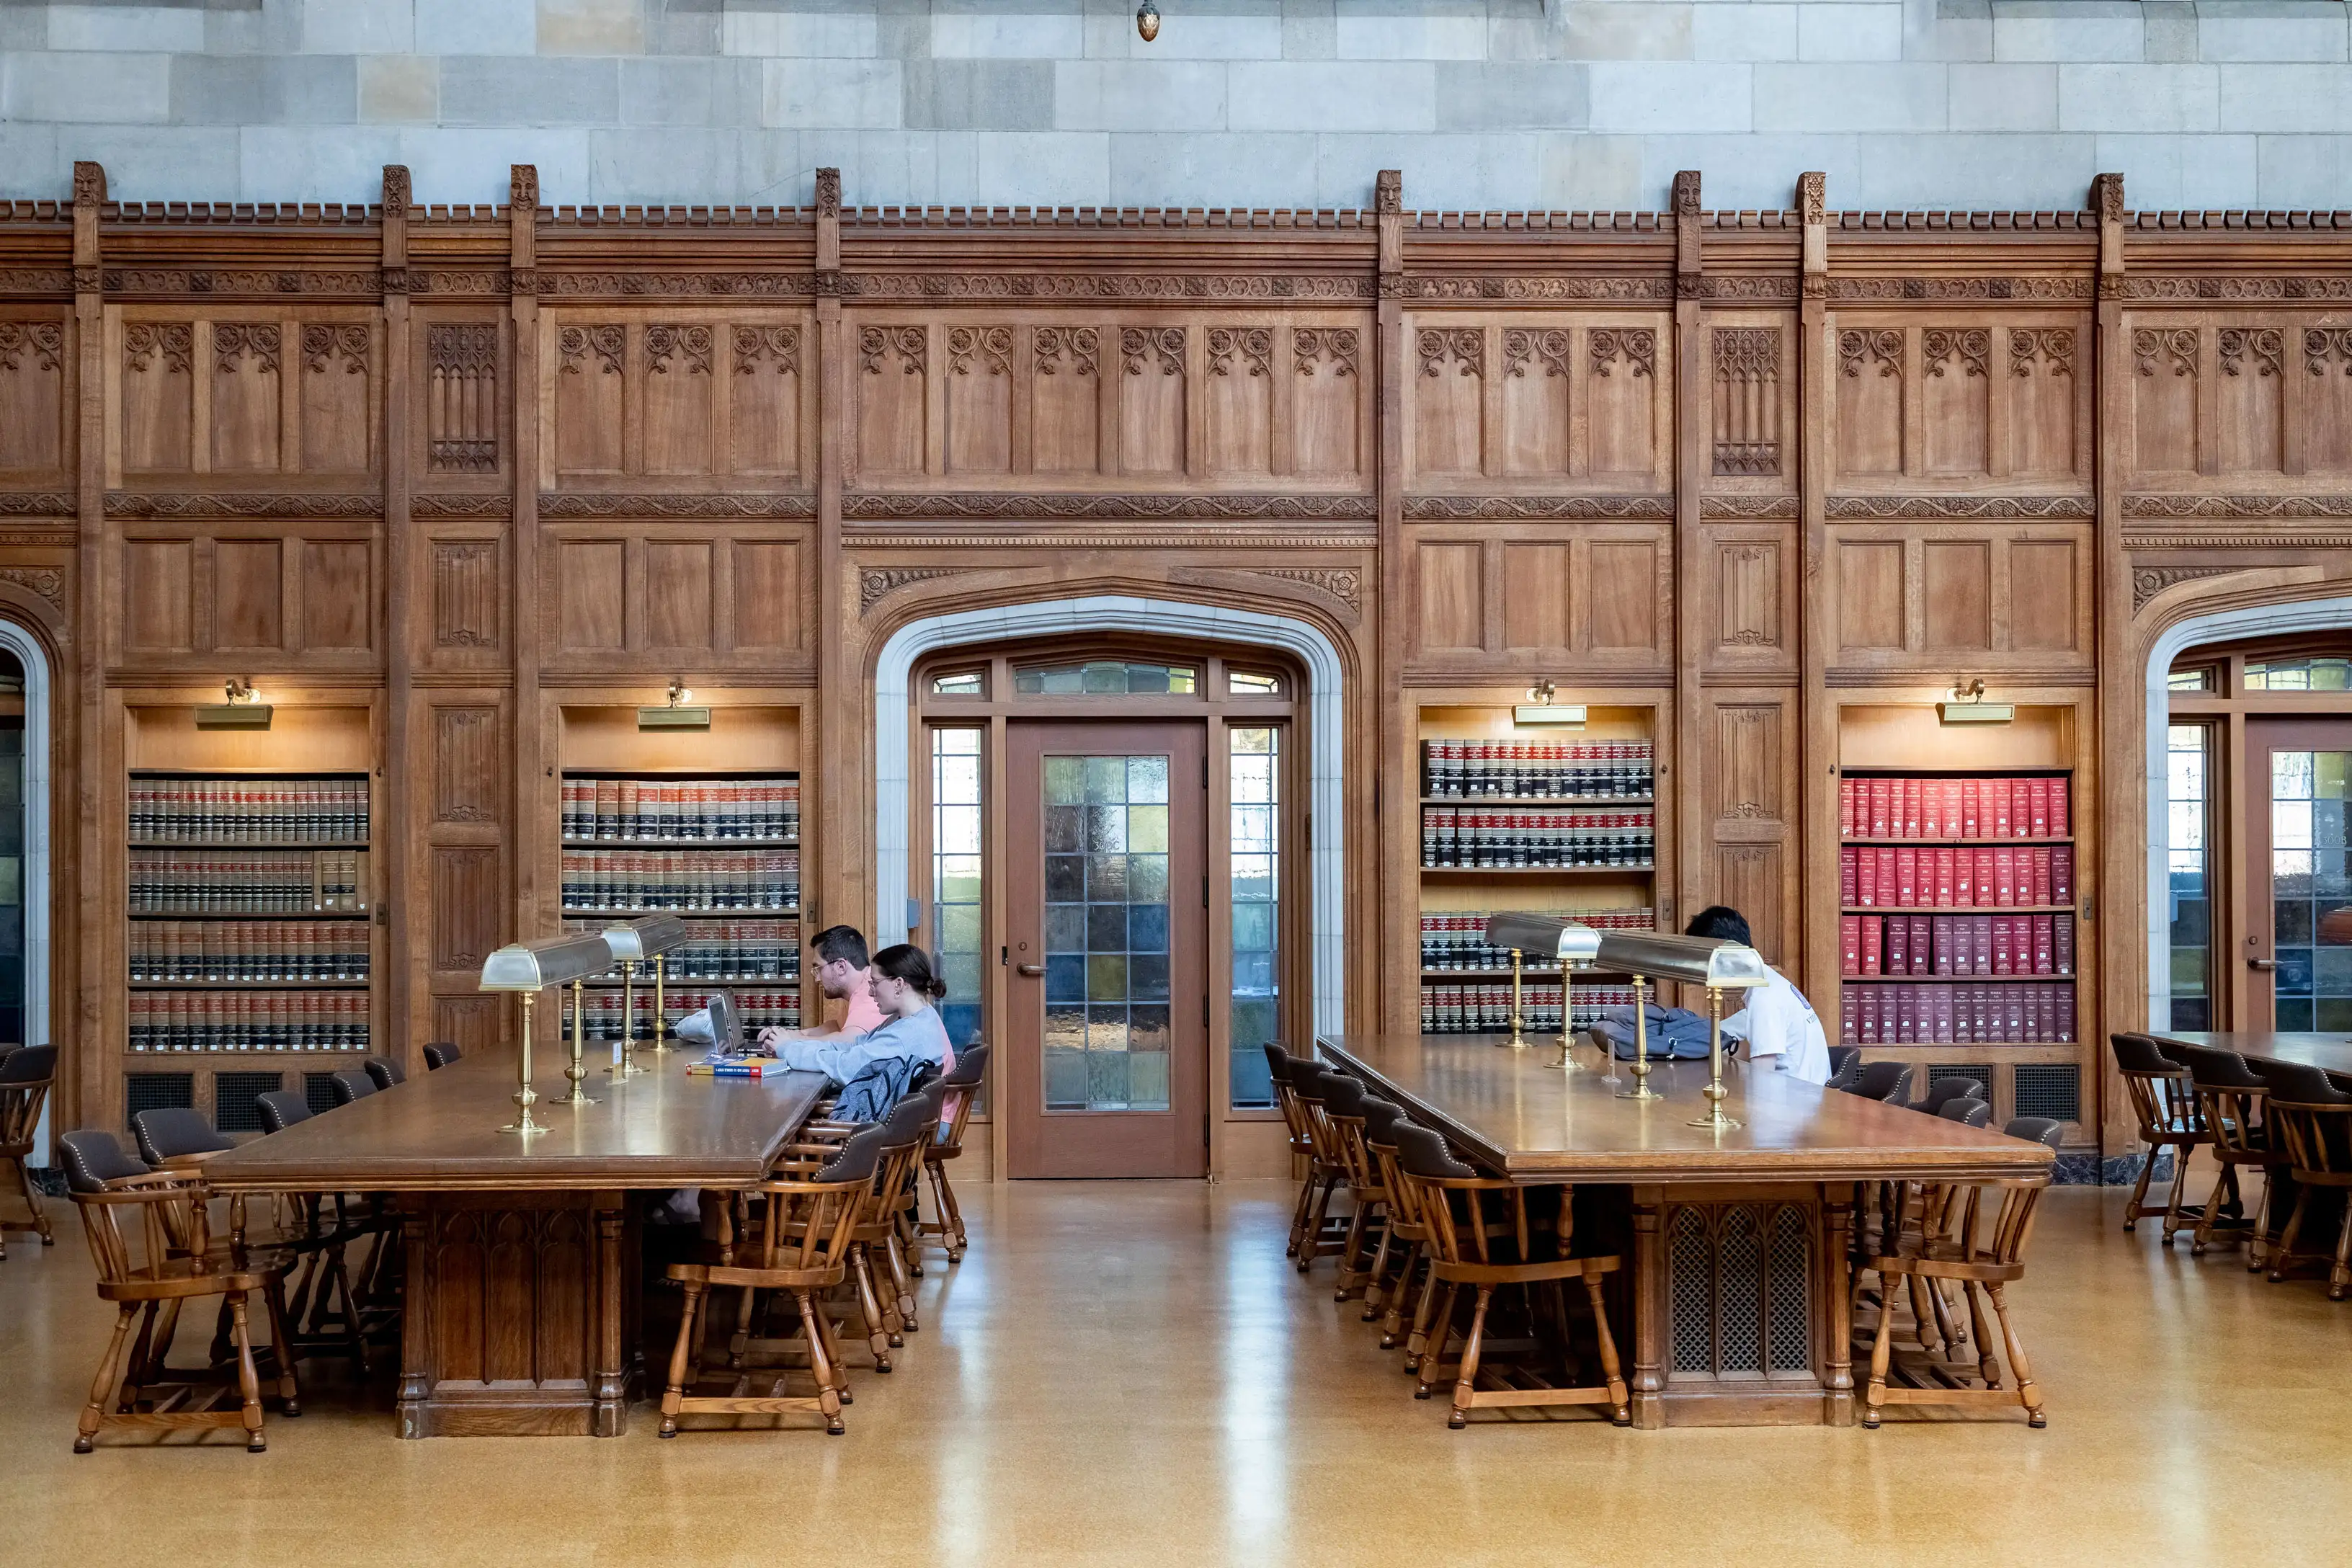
2266, 964
1033, 971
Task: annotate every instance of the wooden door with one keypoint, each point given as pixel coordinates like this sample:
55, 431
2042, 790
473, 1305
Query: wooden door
1106, 927
2298, 931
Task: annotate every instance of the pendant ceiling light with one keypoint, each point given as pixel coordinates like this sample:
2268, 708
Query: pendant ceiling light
1147, 20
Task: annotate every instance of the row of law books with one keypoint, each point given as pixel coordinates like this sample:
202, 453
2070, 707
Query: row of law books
669, 811
758, 1010
724, 951
249, 1021
1955, 944
1542, 770
1958, 1014
1946, 878
216, 952
1952, 808
1457, 940
248, 883
695, 881
1454, 835
249, 810
1448, 1008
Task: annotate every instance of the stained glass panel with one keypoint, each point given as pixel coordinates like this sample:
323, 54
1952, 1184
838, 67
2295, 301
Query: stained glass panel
1255, 996
1106, 847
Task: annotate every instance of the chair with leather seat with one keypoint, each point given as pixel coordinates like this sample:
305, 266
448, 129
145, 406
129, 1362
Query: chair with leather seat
439, 1054
2313, 1120
1343, 1109
1842, 1058
348, 1087
1889, 1082
27, 1075
801, 1253
1327, 1173
2164, 1102
2229, 1099
149, 1235
384, 1072
1302, 1143
321, 1306
1945, 1089
176, 1136
2040, 1129
1965, 1110
962, 1087
1398, 1240
1452, 1199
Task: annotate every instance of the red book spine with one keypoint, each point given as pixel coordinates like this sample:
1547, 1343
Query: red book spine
1869, 1011
1971, 798
1906, 878
1887, 888
1910, 809
1898, 946
2042, 945
1964, 878
1922, 944
2064, 1033
2061, 874
1943, 1015
1845, 809
1944, 860
1874, 936
1955, 825
2003, 810
2004, 877
1849, 1020
2060, 816
1850, 944
1939, 936
1905, 1021
2037, 807
1879, 808
1865, 878
1982, 942
2004, 945
1849, 878
2062, 944
2041, 889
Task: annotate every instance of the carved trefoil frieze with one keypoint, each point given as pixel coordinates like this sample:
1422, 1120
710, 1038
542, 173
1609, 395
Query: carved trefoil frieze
1143, 347
1747, 400
461, 399
323, 346
2170, 350
45, 341
774, 349
1461, 348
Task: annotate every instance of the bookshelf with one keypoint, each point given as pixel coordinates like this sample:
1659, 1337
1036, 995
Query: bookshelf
1961, 940
1556, 819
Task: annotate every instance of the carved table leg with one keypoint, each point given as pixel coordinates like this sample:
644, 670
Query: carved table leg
1834, 1334
1649, 1291
415, 1324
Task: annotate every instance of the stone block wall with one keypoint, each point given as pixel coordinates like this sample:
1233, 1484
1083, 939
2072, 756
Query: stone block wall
1482, 103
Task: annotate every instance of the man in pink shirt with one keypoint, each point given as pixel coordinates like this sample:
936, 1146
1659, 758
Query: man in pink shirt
839, 953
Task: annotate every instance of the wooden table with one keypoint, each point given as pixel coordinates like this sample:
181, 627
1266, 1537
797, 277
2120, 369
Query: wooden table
2330, 1053
1738, 1238
520, 1256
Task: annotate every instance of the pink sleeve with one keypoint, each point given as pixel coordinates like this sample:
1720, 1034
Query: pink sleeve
863, 1017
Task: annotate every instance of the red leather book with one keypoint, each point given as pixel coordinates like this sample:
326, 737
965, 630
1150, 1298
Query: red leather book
2062, 944
1906, 878
1845, 809
1874, 938
1910, 829
2037, 808
1964, 878
1939, 937
2004, 948
1868, 997
2065, 1032
2061, 874
1972, 806
2041, 943
1879, 808
2001, 811
1906, 1015
1850, 944
1849, 1017
2004, 877
1981, 946
1897, 957
1943, 1015
1849, 877
1922, 944
1944, 863
2060, 816
1888, 888
2041, 889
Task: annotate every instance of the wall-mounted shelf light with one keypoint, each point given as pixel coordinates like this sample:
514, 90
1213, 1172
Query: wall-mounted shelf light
1966, 705
244, 709
677, 715
1543, 710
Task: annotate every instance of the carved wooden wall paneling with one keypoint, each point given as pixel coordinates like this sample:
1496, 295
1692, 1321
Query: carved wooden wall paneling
37, 379
1983, 400
244, 393
1522, 401
674, 397
274, 595
1534, 596
719, 596
1996, 594
1749, 814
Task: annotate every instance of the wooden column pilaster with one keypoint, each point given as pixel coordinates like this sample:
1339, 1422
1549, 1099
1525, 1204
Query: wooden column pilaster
835, 893
1817, 787
89, 1064
2122, 862
395, 856
1690, 467
1395, 790
535, 902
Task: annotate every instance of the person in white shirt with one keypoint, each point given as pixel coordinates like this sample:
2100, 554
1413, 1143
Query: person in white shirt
1778, 1021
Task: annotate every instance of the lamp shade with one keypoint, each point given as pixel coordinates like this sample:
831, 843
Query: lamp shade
643, 937
550, 960
1575, 946
1693, 960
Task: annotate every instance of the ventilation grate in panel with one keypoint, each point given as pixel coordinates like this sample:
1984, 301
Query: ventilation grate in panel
2053, 1089
1690, 1268
319, 1091
1790, 1329
157, 1091
237, 1098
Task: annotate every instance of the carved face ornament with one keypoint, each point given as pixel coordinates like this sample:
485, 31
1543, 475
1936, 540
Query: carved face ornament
1147, 20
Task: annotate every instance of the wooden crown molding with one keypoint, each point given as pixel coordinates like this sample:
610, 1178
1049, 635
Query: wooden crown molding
2241, 508
428, 505
240, 282
1207, 537
229, 503
1748, 509
1849, 289
749, 504
2236, 287
1629, 509
2052, 509
37, 503
878, 507
1171, 287
876, 584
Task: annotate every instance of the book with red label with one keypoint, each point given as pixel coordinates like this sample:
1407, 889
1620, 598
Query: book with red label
2060, 816
2004, 948
2037, 808
1879, 792
1972, 805
1944, 884
1845, 807
1850, 944
1906, 878
2061, 874
1850, 1018
2041, 944
1850, 878
2004, 877
2041, 889
1897, 957
1873, 944
1999, 808
2062, 944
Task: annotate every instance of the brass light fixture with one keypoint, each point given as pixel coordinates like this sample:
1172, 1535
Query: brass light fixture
243, 709
1965, 704
1539, 710
677, 715
1147, 21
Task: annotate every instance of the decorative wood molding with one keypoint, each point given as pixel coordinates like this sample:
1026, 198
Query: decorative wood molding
48, 582
609, 342
1659, 289
910, 344
44, 340
322, 344
1334, 346
483, 281
664, 343
1744, 287
550, 285
1206, 538
141, 341
778, 347
37, 503
1854, 289
876, 584
1055, 347
2266, 344
868, 506
992, 346
223, 283
1914, 675
234, 341
2248, 508
36, 281
1629, 509
2050, 346
1749, 508
2147, 582
1524, 346
2141, 286
2169, 348
2274, 539
1466, 346
1636, 347
239, 504
1881, 348
1173, 288
1344, 583
462, 505
1140, 345
748, 504
1971, 346
2070, 509
1254, 345
462, 414
59, 535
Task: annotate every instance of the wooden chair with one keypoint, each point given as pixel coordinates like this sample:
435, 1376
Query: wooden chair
1946, 1090
439, 1054
1980, 1247
2164, 1102
2312, 1118
26, 1076
962, 1087
802, 1252
384, 1072
316, 1234
1449, 1197
1967, 1110
1327, 1173
2230, 1096
1889, 1082
1343, 1110
348, 1087
1398, 1239
149, 1235
1844, 1059
1302, 1143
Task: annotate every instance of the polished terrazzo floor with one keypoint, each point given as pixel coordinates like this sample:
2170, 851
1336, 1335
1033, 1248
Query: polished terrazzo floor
1132, 1374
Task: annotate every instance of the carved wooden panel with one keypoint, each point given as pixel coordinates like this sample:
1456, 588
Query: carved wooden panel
157, 605
590, 596
1449, 402
513, 1301
1325, 406
158, 395
1870, 595
463, 408
1626, 608
2044, 388
248, 601
34, 371
465, 903
1746, 759
1500, 399
978, 388
467, 594
1629, 413
1453, 596
893, 386
246, 367
1152, 393
472, 1023
2250, 398
2044, 587
589, 397
1958, 594
768, 597
468, 769
1538, 603
1066, 394
1750, 578
1241, 395
1494, 596
1539, 371
1750, 877
1956, 386
1949, 596
1870, 395
2325, 393
1957, 403
678, 577
680, 409
763, 394
1748, 396
337, 418
338, 595
2164, 395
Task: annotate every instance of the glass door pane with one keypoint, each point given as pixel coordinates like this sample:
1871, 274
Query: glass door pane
1106, 979
2310, 891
